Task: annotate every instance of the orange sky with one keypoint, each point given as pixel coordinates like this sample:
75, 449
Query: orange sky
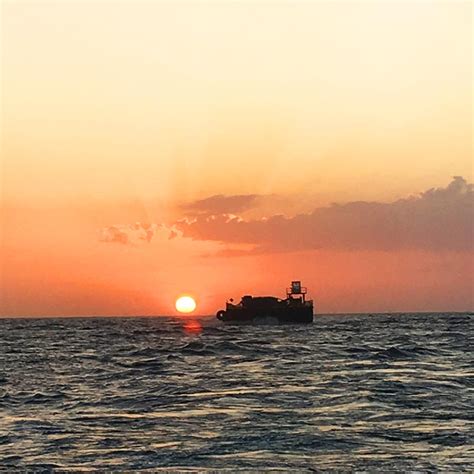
117, 113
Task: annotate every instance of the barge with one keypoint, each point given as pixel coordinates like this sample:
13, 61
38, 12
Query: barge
294, 309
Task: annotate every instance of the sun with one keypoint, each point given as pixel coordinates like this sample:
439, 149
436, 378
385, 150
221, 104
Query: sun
185, 304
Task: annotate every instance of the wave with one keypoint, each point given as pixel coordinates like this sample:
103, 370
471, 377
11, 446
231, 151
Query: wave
373, 392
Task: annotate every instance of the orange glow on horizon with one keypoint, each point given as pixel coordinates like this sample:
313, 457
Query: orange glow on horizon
151, 147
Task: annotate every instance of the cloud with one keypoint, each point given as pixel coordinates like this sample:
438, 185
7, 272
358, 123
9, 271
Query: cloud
436, 220
129, 234
172, 234
221, 204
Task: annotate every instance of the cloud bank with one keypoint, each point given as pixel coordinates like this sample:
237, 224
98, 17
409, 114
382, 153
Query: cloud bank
440, 219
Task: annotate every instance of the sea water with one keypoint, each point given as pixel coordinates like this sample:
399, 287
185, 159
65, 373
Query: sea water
376, 392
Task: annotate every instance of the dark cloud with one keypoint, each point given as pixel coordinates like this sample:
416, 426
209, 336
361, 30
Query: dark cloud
438, 219
221, 204
128, 234
172, 234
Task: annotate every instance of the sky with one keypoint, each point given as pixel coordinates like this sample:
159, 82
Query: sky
151, 149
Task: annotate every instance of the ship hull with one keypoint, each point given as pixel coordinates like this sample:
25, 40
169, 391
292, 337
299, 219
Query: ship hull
286, 315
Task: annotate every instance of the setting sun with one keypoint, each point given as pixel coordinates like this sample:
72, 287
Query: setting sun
185, 304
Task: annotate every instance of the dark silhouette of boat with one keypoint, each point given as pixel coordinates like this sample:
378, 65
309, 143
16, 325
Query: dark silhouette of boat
269, 309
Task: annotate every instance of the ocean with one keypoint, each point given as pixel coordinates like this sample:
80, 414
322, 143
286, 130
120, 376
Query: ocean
349, 392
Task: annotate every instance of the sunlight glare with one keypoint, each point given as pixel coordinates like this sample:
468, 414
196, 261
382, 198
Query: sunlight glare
185, 304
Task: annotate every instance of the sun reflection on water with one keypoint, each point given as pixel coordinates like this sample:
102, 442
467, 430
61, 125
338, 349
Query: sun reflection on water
192, 327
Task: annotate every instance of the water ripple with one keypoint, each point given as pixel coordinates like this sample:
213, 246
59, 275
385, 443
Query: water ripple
358, 392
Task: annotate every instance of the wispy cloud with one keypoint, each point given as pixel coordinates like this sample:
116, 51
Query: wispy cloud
129, 234
221, 204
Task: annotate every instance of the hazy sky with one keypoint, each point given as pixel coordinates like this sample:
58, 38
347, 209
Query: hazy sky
228, 115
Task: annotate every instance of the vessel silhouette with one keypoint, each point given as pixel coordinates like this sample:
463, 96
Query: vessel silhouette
294, 309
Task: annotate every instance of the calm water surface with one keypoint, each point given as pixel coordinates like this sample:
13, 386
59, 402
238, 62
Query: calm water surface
377, 392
